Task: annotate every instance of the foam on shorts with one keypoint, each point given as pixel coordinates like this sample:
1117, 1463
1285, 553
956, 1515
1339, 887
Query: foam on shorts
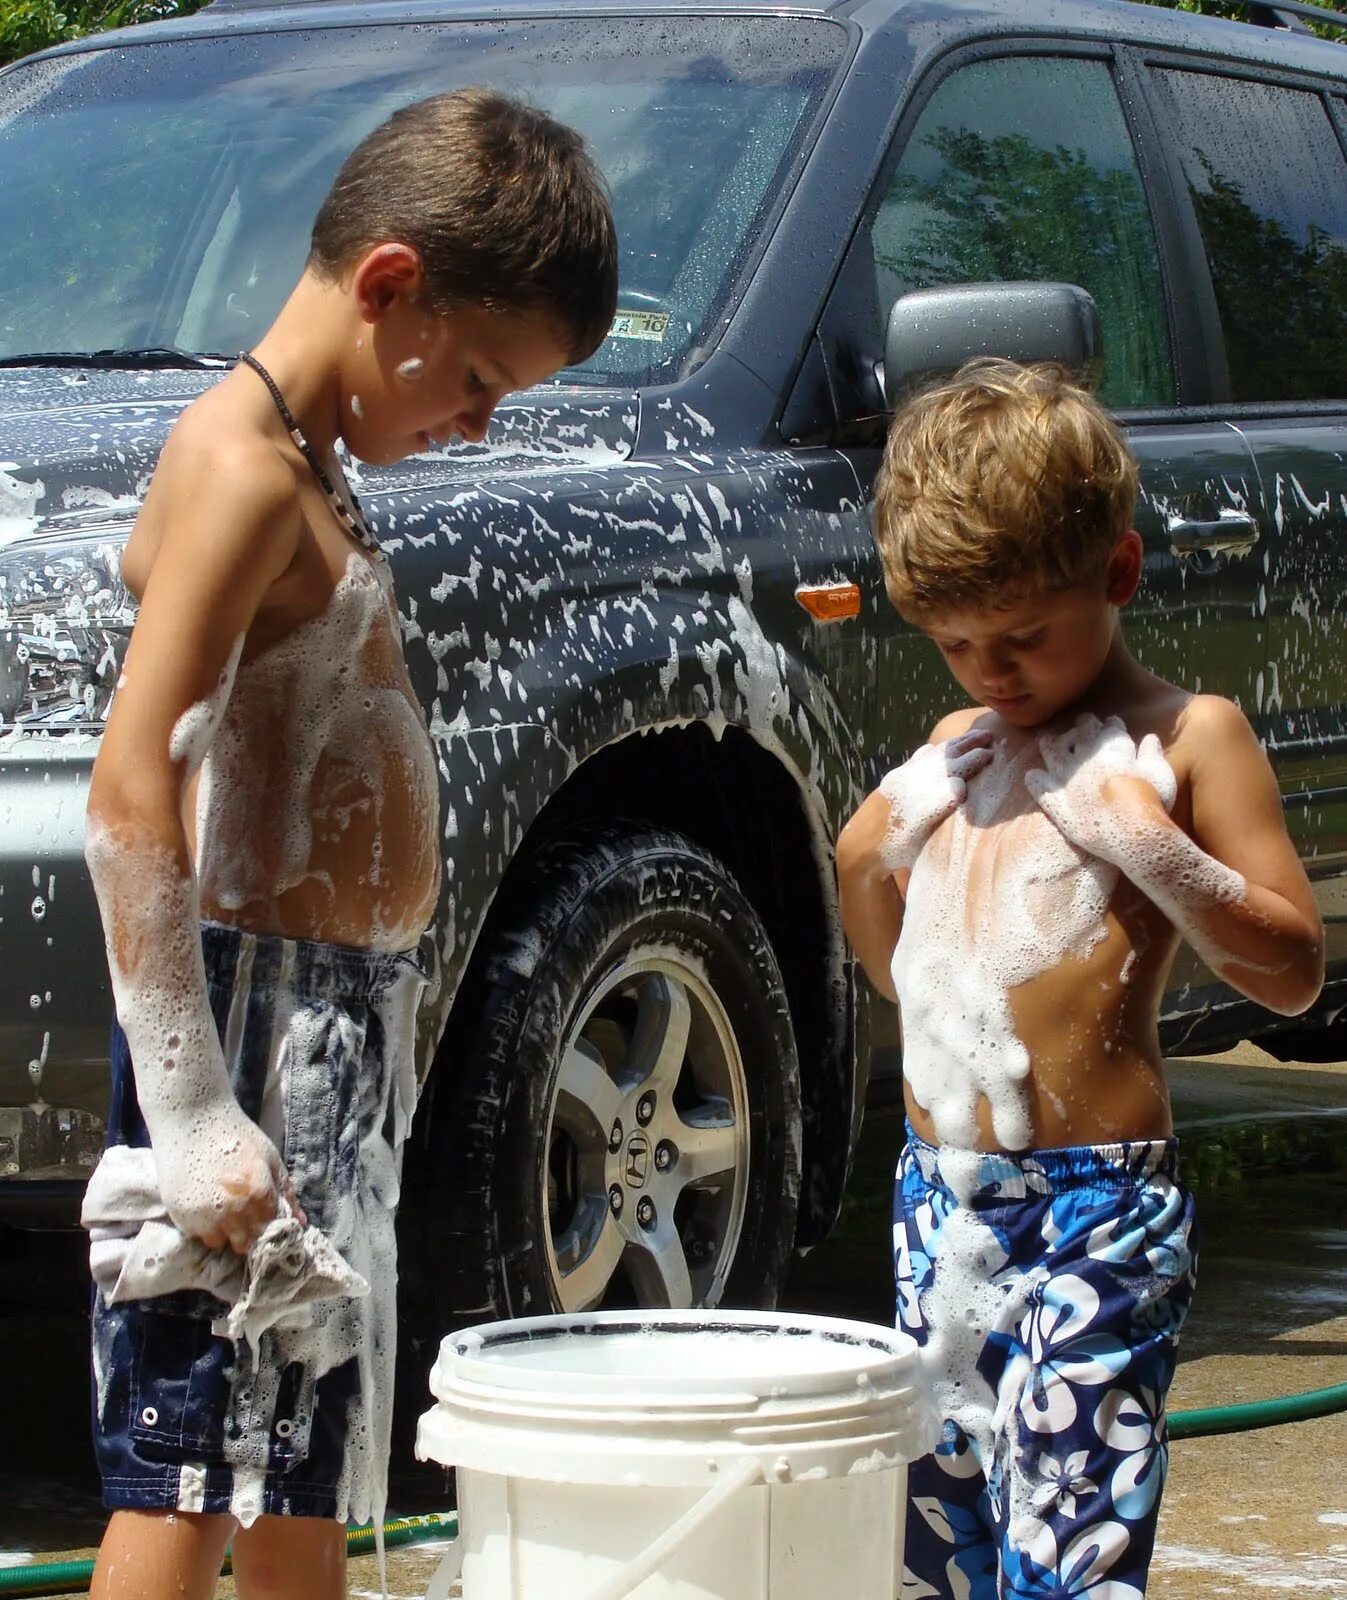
183, 1088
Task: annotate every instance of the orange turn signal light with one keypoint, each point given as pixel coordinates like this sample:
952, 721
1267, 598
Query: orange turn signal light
830, 602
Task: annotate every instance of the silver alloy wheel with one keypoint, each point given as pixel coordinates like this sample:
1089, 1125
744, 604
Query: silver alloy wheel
647, 1141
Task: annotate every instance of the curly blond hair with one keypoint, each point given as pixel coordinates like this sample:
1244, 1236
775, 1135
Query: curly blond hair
1002, 482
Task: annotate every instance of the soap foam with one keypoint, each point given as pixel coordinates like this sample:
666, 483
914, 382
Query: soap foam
762, 1355
343, 733
201, 1136
996, 898
337, 719
195, 728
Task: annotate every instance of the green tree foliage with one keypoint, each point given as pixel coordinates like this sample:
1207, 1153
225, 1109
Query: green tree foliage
1005, 208
1286, 344
27, 25
1240, 13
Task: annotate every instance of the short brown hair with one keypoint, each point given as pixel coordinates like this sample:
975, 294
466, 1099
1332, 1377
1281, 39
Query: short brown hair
504, 205
1003, 481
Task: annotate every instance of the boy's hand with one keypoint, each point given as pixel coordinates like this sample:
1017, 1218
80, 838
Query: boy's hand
1101, 791
224, 1181
925, 790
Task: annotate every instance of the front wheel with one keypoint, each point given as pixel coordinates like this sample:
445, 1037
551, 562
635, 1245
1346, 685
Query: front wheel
619, 1121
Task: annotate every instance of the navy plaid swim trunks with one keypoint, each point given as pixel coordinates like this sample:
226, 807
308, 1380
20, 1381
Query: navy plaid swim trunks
318, 1043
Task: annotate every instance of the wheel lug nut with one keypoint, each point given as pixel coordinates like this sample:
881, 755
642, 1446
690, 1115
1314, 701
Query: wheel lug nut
645, 1212
615, 1138
615, 1200
666, 1153
645, 1108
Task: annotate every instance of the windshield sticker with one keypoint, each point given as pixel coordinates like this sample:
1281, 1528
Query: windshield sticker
639, 325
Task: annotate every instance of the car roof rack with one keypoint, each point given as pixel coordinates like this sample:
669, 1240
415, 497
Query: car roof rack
281, 5
1289, 14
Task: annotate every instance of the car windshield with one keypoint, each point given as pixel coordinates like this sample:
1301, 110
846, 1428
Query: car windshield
157, 197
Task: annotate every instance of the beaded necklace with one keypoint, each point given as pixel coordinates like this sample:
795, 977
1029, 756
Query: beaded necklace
351, 517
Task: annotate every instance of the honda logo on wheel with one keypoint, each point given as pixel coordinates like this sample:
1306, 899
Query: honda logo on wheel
638, 1161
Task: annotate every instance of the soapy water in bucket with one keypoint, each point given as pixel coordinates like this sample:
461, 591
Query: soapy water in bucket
678, 1456
691, 1355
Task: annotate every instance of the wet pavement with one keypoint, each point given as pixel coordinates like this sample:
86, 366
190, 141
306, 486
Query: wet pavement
1245, 1515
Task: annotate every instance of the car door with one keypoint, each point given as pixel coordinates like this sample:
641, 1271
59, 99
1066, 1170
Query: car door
1022, 163
1264, 179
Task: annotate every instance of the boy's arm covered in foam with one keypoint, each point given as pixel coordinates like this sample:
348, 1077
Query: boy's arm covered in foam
886, 836
1235, 889
228, 519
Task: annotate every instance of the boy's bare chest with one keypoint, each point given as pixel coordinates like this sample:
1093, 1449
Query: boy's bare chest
1003, 876
323, 581
341, 652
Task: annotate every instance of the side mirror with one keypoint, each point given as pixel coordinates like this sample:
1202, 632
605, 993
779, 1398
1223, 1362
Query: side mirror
932, 332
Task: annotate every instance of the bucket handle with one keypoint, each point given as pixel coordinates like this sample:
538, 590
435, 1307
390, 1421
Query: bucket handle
448, 1571
636, 1571
619, 1586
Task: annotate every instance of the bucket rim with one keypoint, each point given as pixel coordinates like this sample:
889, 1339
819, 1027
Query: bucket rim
479, 1355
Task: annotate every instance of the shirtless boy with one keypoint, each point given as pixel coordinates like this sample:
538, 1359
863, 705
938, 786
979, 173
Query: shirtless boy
1020, 886
264, 845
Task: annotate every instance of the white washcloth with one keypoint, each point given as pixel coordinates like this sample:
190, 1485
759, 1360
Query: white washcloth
137, 1253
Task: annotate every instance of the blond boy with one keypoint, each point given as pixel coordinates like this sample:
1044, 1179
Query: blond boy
1020, 887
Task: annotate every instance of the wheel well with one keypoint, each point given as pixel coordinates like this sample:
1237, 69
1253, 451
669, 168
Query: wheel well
738, 801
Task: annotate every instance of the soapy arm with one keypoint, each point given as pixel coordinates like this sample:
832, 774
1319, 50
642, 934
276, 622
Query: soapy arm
225, 541
1235, 889
886, 836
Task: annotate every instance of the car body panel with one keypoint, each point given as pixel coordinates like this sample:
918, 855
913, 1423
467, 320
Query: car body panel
613, 566
1303, 466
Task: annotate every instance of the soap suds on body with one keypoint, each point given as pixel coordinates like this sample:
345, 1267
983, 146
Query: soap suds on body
347, 735
996, 897
1029, 899
326, 719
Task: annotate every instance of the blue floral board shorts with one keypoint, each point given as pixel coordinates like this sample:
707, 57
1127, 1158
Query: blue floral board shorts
1047, 1291
317, 1041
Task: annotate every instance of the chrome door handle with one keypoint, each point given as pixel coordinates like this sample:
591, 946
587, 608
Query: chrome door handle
1234, 532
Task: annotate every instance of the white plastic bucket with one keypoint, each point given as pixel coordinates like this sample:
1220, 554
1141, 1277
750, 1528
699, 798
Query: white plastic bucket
679, 1455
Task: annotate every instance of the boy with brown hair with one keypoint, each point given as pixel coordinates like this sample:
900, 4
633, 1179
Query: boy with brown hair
263, 838
1020, 887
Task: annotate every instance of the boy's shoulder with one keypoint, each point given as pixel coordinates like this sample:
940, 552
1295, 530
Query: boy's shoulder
1188, 724
957, 722
219, 443
1180, 718
1207, 741
221, 482
1208, 729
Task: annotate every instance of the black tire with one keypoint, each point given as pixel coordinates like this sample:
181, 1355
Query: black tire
1327, 1042
626, 977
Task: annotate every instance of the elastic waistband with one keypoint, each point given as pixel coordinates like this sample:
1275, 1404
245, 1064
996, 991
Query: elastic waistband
305, 966
991, 1176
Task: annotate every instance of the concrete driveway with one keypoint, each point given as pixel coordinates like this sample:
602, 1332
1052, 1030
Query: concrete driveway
1247, 1515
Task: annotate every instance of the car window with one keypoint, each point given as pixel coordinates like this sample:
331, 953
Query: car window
1023, 168
1269, 186
161, 194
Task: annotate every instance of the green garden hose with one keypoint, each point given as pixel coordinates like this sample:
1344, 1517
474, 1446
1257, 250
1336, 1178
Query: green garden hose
1258, 1413
73, 1577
